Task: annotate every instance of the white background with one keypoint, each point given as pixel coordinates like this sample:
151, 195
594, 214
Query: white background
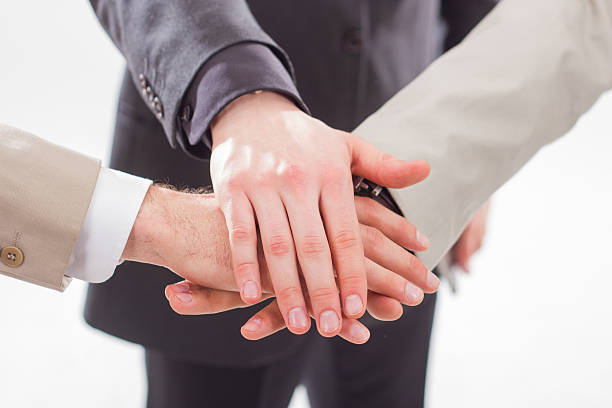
531, 327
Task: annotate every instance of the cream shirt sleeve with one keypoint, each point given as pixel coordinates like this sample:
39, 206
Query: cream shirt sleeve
114, 206
520, 80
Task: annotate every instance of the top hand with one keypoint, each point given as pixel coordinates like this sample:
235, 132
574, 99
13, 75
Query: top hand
293, 174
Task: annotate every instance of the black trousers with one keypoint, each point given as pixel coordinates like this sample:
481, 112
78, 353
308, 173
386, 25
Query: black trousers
388, 371
182, 384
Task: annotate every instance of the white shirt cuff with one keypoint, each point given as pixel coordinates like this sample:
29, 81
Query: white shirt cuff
113, 209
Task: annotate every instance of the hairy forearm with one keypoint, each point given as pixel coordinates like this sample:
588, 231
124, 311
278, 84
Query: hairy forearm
185, 233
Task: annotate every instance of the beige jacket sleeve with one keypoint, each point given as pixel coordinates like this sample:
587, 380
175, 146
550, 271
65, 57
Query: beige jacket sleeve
520, 80
45, 191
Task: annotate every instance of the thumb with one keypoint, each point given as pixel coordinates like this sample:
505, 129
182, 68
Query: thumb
382, 168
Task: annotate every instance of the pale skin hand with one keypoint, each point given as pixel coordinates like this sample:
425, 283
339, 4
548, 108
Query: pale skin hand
387, 289
277, 169
187, 234
381, 307
269, 320
471, 239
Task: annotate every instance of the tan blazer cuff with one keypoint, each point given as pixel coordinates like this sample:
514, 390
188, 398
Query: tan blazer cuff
44, 197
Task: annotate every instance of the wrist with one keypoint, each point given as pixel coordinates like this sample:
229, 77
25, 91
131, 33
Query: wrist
246, 110
181, 232
151, 229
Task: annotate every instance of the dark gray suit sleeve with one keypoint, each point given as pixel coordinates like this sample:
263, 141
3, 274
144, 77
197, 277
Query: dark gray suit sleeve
461, 16
166, 42
233, 72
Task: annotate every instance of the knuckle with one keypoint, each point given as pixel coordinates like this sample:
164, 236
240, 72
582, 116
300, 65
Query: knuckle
290, 294
293, 174
232, 183
351, 280
345, 240
324, 295
381, 157
264, 179
313, 246
245, 268
279, 245
411, 262
373, 236
241, 233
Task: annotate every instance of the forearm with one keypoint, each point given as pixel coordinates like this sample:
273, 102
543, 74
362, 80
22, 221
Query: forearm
519, 81
182, 232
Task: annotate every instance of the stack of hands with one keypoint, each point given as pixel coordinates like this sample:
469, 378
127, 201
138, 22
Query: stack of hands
282, 227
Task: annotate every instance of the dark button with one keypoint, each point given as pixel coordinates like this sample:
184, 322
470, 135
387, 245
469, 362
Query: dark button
352, 41
186, 113
11, 256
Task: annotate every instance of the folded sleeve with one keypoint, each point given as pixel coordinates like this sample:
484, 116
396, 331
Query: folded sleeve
520, 80
167, 42
113, 209
231, 73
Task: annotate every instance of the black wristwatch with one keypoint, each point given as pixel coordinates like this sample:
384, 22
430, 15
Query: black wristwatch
366, 188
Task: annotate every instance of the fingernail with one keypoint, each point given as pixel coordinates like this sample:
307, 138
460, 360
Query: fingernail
297, 318
353, 305
250, 290
184, 297
181, 287
433, 281
423, 240
329, 321
359, 332
414, 295
182, 291
253, 325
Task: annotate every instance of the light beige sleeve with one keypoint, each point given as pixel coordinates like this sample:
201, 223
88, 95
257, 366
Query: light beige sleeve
520, 80
45, 191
